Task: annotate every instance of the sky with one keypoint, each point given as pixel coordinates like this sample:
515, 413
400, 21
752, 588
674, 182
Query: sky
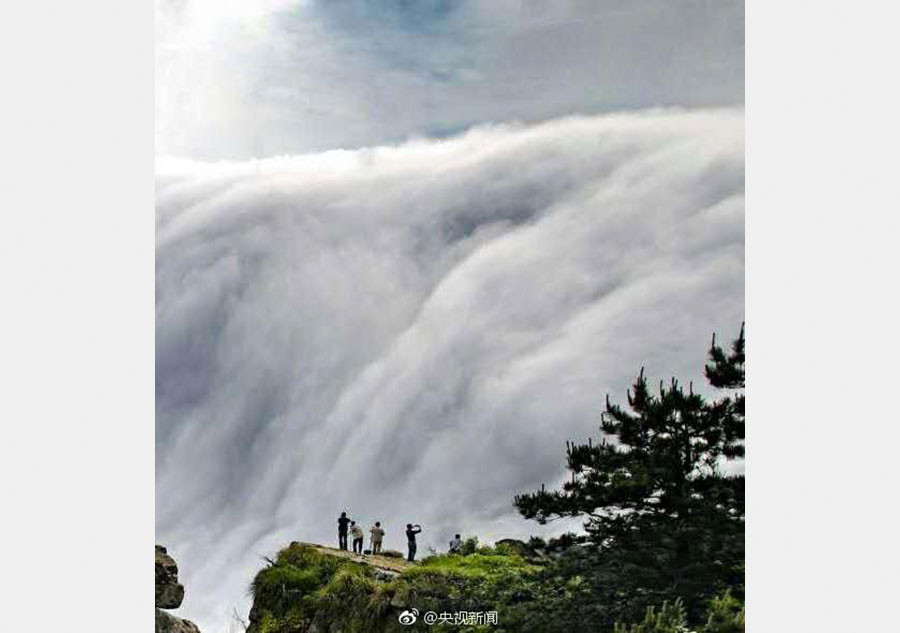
241, 79
405, 249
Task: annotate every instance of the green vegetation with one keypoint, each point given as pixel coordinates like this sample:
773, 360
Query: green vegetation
664, 520
301, 585
305, 587
663, 550
305, 590
670, 618
469, 546
725, 615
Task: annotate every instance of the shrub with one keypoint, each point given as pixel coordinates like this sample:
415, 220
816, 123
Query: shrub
726, 615
288, 595
671, 618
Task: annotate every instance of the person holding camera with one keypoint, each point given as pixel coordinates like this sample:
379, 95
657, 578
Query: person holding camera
411, 531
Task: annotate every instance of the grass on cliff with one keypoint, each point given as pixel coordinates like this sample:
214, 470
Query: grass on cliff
305, 586
486, 562
306, 590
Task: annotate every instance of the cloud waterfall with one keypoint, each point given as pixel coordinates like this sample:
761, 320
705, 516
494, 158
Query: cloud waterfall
412, 332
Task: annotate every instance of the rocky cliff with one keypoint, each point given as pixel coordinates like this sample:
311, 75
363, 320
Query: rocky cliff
310, 588
169, 594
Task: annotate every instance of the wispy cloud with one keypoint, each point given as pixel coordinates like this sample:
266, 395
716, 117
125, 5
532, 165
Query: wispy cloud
412, 332
244, 79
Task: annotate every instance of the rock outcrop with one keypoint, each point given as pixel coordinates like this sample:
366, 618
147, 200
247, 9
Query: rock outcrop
389, 562
166, 623
169, 592
169, 595
289, 591
310, 588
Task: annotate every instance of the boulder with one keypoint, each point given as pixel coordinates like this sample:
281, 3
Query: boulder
166, 623
254, 613
398, 602
169, 592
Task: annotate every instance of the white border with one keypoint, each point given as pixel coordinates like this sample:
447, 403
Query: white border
76, 272
76, 268
822, 108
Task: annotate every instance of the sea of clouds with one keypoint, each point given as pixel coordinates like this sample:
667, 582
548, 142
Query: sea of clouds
411, 333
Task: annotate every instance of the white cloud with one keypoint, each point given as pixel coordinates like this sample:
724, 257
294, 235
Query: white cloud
266, 77
411, 333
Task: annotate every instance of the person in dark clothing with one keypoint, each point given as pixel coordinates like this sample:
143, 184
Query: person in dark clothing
411, 531
343, 522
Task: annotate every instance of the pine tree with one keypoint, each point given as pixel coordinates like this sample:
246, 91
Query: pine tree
663, 519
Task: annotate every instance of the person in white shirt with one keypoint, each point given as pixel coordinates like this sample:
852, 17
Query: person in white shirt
377, 536
455, 544
357, 534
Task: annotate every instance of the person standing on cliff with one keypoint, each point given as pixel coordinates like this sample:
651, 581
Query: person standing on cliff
411, 531
455, 544
357, 534
377, 535
343, 522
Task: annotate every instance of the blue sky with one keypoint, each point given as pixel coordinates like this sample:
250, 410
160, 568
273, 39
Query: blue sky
284, 77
